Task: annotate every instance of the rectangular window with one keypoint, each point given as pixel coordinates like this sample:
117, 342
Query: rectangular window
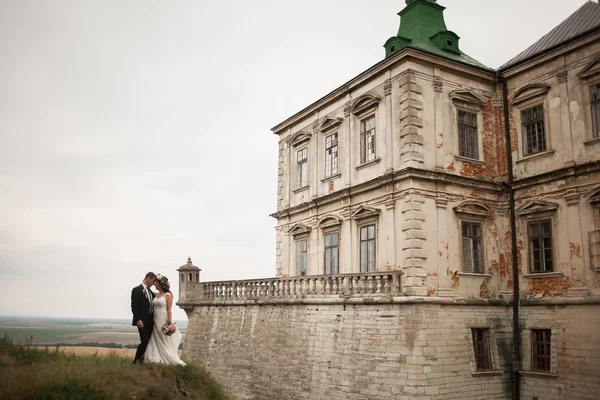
468, 145
534, 133
331, 155
481, 347
472, 247
594, 240
367, 140
595, 100
302, 160
367, 248
301, 257
540, 246
332, 252
540, 350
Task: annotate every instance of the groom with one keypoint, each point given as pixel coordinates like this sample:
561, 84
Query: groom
142, 309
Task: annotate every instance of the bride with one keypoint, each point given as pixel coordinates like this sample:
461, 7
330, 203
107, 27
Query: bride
162, 348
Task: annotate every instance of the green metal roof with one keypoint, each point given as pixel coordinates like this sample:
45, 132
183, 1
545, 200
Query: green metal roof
422, 27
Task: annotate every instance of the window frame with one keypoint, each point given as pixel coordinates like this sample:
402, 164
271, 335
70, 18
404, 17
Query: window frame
327, 232
367, 225
476, 148
595, 109
486, 342
302, 174
363, 144
297, 241
335, 157
594, 233
471, 269
546, 344
542, 235
524, 135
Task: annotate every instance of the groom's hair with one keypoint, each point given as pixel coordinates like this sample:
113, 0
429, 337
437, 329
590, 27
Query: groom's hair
150, 275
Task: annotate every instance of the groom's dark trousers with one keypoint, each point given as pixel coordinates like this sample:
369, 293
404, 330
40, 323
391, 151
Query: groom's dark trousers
141, 309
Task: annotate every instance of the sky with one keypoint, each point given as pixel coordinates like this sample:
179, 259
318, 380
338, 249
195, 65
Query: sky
134, 134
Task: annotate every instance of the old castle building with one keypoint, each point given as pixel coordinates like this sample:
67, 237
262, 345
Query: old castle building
438, 231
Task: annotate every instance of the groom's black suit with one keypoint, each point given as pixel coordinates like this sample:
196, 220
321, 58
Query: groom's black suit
141, 309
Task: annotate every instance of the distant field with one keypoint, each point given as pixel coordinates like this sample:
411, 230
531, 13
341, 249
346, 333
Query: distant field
52, 331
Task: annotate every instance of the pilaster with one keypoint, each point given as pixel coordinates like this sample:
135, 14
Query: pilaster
412, 246
411, 121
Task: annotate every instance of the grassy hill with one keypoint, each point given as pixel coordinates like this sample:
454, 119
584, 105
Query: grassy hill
42, 374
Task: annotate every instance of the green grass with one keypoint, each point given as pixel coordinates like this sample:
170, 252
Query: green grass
42, 374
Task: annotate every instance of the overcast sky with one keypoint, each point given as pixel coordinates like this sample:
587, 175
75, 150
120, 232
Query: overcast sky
134, 134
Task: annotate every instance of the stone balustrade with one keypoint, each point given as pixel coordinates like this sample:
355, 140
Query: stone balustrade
347, 285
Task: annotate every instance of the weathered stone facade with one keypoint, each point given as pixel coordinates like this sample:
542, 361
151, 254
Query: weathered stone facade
396, 260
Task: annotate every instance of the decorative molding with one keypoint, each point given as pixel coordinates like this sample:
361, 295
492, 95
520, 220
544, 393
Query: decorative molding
364, 103
572, 198
299, 229
593, 195
466, 96
591, 70
441, 202
347, 107
330, 124
328, 221
537, 206
473, 208
497, 100
530, 91
437, 84
387, 87
365, 212
390, 202
299, 138
561, 75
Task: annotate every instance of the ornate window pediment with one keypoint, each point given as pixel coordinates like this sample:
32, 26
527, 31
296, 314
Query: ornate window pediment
364, 103
473, 208
537, 206
329, 221
300, 137
365, 212
466, 97
530, 91
330, 124
299, 229
591, 70
593, 196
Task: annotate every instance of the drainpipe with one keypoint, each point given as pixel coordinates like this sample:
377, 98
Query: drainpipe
516, 373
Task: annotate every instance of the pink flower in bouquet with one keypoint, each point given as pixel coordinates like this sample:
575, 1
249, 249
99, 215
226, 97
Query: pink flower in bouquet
169, 328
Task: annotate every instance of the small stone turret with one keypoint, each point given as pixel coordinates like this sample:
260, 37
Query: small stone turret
189, 276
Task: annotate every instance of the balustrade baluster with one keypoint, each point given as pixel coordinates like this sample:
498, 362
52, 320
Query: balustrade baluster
378, 284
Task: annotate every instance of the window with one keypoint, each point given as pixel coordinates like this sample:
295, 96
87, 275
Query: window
301, 247
472, 247
467, 135
367, 248
595, 100
540, 350
332, 252
594, 239
540, 246
534, 133
367, 139
302, 160
481, 347
331, 155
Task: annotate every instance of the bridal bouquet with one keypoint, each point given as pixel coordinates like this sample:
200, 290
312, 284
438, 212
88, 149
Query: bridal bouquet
169, 328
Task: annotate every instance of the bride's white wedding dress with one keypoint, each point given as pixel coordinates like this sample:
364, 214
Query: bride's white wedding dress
162, 349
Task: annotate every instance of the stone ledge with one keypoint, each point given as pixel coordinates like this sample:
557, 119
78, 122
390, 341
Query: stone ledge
345, 300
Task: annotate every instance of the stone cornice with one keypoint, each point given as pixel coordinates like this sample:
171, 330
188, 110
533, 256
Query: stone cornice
556, 174
376, 71
391, 178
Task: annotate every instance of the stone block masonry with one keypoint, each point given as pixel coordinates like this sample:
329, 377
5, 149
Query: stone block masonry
360, 351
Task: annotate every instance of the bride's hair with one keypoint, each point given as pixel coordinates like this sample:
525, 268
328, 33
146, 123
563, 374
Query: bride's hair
163, 281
